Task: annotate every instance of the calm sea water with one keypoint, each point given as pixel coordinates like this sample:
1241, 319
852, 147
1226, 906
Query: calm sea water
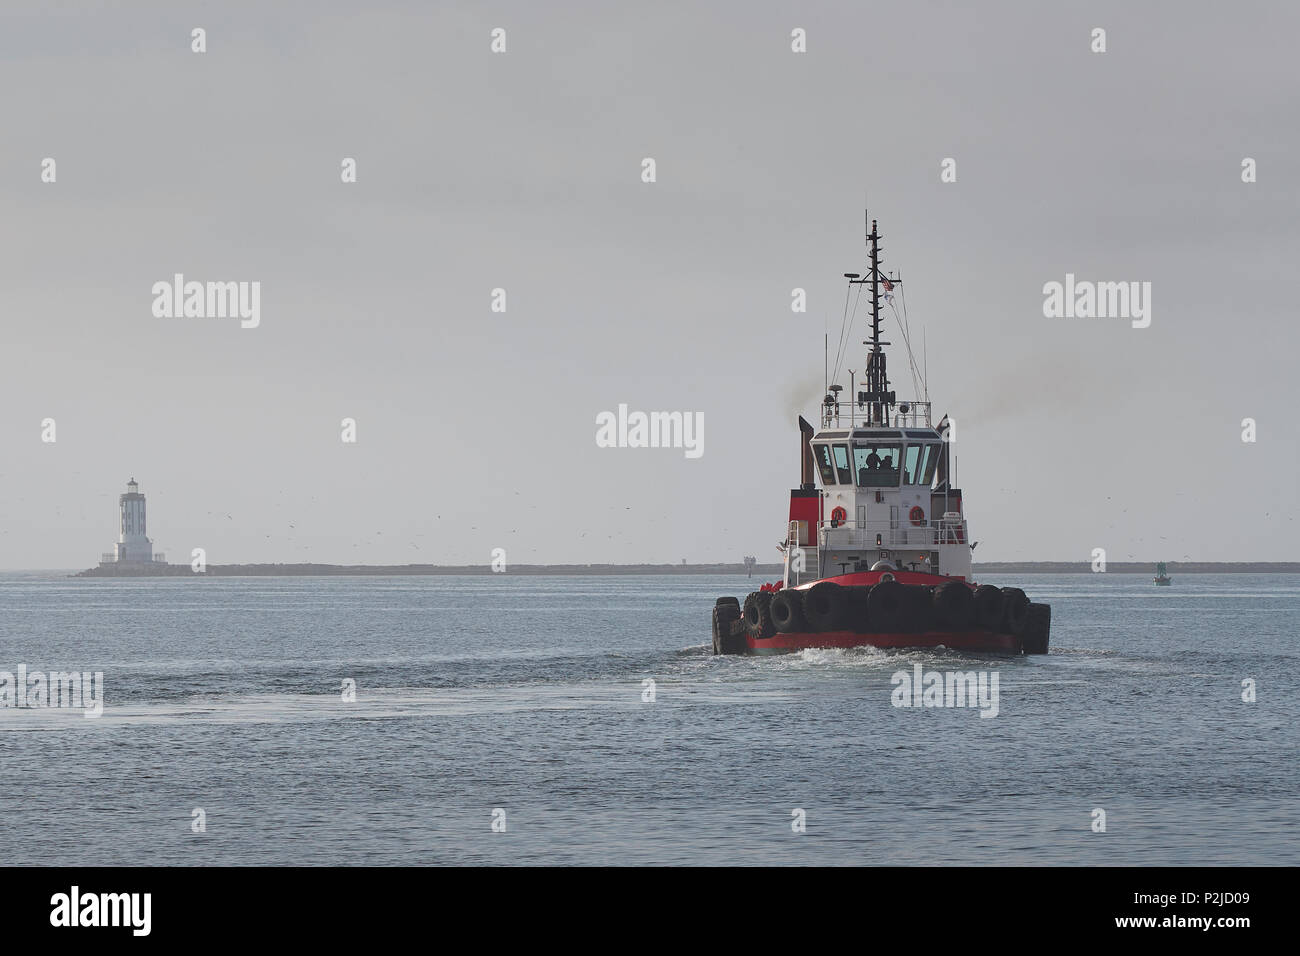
526, 694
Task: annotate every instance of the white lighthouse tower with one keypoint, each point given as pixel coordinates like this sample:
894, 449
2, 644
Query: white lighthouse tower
132, 545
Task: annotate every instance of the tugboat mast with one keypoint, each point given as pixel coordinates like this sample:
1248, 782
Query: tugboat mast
877, 398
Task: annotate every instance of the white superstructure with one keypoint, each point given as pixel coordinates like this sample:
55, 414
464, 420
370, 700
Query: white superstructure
886, 497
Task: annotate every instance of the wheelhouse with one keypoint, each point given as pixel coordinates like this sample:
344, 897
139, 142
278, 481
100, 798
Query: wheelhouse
877, 458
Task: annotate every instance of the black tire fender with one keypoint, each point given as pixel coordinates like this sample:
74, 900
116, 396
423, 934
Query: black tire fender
1038, 627
988, 607
918, 609
787, 611
1015, 610
858, 620
826, 606
758, 615
954, 606
886, 605
724, 616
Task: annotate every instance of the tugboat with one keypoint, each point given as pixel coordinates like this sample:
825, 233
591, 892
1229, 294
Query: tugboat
1162, 575
879, 555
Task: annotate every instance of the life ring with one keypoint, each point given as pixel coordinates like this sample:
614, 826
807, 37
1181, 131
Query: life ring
917, 514
838, 516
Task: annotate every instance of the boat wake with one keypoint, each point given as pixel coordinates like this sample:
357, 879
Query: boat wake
381, 703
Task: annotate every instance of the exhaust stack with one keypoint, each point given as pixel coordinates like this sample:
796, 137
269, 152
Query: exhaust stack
806, 481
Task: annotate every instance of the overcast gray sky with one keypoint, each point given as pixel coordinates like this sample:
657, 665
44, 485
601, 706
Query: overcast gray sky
523, 171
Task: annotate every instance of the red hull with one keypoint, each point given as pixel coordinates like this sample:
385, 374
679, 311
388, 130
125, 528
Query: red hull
980, 641
864, 579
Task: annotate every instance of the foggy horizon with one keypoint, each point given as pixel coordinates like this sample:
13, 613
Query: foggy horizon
522, 171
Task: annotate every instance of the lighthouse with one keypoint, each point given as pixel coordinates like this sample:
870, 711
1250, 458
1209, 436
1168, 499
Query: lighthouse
132, 545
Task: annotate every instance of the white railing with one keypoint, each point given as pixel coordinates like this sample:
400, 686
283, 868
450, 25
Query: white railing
916, 416
900, 534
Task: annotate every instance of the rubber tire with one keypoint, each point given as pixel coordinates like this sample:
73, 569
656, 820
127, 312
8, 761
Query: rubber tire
886, 605
954, 606
826, 606
724, 615
787, 611
758, 615
1015, 610
1037, 629
988, 608
858, 620
734, 602
918, 615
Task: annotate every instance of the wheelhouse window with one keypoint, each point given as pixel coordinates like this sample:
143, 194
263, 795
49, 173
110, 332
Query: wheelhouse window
822, 454
912, 464
842, 464
932, 453
877, 464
